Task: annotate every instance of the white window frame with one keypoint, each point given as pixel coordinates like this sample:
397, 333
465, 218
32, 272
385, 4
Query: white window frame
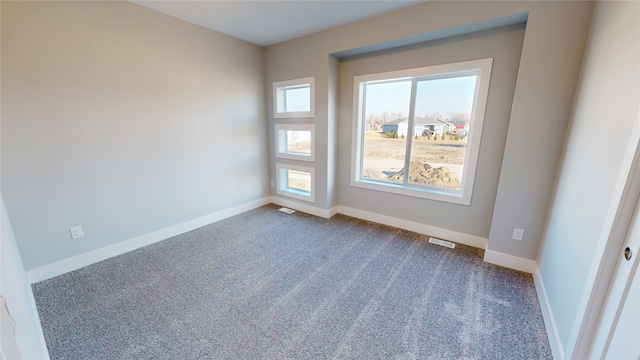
282, 143
282, 187
482, 69
279, 90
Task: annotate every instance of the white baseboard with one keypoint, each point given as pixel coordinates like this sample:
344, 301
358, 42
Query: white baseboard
529, 266
445, 234
309, 209
547, 314
92, 257
510, 261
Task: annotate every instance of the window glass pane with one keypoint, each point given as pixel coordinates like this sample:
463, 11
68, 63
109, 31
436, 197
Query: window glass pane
299, 142
293, 98
386, 109
295, 141
442, 114
295, 181
299, 180
298, 98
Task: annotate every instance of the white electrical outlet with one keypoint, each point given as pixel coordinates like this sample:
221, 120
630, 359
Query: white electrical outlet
518, 234
273, 183
76, 232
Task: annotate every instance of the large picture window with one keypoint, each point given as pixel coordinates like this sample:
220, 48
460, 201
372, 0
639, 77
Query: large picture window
417, 131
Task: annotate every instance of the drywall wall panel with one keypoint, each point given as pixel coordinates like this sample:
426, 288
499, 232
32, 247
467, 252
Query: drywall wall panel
504, 45
549, 69
124, 121
332, 132
294, 64
605, 111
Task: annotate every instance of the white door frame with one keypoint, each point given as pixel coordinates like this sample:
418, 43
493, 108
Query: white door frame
608, 252
618, 292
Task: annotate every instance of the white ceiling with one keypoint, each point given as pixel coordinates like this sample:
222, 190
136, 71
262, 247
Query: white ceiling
266, 22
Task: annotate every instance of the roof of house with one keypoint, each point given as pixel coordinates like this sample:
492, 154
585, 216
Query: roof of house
420, 121
396, 122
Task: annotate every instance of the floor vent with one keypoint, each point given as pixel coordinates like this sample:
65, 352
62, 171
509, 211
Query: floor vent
450, 245
287, 210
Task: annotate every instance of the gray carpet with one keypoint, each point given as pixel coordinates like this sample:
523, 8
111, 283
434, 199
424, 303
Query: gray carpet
267, 285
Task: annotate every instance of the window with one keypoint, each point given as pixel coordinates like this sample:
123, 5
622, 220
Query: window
294, 98
296, 181
295, 141
417, 131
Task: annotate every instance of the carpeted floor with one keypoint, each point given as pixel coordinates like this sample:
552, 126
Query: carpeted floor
267, 285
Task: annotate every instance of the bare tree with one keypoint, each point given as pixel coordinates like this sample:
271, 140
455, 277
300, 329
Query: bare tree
458, 118
384, 116
396, 116
433, 116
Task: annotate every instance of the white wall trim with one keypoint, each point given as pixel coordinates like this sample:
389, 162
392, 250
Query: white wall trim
76, 262
510, 261
437, 232
26, 341
547, 314
610, 244
305, 208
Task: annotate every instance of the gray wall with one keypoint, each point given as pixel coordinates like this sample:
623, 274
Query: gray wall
549, 69
549, 65
605, 111
125, 121
504, 45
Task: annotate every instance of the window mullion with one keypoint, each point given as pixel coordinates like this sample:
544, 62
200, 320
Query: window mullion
284, 100
363, 119
410, 129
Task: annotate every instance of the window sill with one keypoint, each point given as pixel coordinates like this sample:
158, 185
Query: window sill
437, 194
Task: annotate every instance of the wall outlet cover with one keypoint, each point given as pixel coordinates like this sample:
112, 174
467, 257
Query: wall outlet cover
76, 232
518, 234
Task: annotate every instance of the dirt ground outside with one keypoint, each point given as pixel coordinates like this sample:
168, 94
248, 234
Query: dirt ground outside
299, 180
433, 162
303, 147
